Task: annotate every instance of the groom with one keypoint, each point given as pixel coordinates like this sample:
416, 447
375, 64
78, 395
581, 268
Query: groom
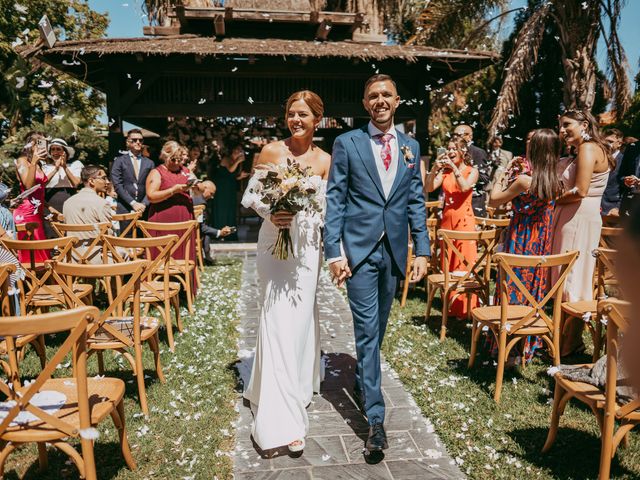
374, 195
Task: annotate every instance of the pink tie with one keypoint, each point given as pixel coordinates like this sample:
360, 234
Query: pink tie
385, 153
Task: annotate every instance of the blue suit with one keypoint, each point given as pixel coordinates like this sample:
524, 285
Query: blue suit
127, 186
373, 230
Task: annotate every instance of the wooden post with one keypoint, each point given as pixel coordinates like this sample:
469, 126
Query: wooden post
422, 122
114, 117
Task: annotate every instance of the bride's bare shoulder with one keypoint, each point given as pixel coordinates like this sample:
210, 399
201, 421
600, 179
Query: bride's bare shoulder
271, 153
324, 160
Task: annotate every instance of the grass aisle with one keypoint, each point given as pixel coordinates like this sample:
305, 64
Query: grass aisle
189, 434
490, 440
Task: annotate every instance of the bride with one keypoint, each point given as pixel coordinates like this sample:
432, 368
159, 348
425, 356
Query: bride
286, 370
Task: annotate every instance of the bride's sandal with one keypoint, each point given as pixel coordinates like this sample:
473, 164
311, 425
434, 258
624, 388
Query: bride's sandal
297, 446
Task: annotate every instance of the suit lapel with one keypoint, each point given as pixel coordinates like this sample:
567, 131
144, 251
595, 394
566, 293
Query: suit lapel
402, 167
363, 147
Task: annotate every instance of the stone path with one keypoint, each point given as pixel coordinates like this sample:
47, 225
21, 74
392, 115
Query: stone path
334, 447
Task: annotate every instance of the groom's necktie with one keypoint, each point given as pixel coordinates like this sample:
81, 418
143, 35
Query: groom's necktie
385, 153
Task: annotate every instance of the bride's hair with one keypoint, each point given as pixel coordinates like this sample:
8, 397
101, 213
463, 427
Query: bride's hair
313, 101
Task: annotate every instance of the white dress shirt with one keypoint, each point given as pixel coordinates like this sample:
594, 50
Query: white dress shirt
386, 176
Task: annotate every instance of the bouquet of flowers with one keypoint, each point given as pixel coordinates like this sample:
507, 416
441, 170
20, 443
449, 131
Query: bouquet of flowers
288, 188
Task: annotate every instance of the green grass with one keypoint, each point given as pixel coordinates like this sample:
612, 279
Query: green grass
486, 439
189, 433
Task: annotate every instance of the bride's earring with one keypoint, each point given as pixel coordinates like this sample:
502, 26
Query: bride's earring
585, 136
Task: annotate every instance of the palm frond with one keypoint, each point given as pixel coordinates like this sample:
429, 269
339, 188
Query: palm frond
617, 63
519, 67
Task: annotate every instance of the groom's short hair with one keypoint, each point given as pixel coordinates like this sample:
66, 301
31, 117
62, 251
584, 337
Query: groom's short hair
379, 77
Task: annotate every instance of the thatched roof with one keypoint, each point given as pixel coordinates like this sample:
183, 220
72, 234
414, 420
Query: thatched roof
204, 46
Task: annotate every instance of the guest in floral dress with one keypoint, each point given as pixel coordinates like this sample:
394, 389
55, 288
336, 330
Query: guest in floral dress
531, 188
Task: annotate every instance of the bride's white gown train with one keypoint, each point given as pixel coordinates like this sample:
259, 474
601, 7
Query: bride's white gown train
287, 365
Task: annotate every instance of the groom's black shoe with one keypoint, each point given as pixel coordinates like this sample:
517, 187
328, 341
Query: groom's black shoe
377, 440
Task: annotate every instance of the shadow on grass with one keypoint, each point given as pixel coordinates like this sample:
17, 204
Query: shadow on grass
108, 457
580, 447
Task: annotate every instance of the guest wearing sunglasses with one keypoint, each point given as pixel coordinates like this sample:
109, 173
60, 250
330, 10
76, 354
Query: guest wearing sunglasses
129, 176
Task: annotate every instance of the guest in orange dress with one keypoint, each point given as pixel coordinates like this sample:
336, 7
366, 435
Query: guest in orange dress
169, 197
454, 172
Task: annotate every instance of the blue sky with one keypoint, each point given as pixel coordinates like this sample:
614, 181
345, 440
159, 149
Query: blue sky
127, 19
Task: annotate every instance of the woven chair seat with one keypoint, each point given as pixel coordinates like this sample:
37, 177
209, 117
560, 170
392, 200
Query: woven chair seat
577, 309
104, 395
47, 296
103, 339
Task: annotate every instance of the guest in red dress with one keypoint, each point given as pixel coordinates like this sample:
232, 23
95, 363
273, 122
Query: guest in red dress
31, 209
169, 196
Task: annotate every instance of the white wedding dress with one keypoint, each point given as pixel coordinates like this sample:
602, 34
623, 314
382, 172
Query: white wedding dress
287, 366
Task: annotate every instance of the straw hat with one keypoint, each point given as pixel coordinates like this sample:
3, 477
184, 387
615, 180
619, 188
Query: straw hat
61, 143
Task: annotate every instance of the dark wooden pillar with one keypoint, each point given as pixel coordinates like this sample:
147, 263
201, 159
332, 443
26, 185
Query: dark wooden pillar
114, 117
423, 112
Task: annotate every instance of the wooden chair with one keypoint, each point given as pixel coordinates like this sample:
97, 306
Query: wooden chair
474, 280
433, 208
432, 223
8, 309
610, 221
132, 218
511, 323
179, 269
85, 402
498, 212
37, 292
198, 212
587, 310
486, 223
604, 403
86, 250
115, 329
161, 294
27, 228
608, 236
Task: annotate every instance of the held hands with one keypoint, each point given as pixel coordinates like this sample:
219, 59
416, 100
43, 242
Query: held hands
282, 219
340, 271
631, 181
225, 231
138, 207
418, 269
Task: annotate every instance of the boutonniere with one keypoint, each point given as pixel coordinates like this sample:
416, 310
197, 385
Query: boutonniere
409, 159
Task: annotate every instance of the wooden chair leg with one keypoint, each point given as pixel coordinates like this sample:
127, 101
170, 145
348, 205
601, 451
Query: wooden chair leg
6, 450
165, 311
556, 413
606, 451
142, 393
154, 344
88, 459
43, 458
119, 421
176, 307
597, 341
407, 272
99, 354
445, 315
475, 335
502, 359
188, 292
430, 294
41, 350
